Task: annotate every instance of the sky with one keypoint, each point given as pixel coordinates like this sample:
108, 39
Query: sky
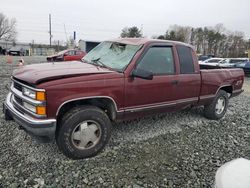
104, 19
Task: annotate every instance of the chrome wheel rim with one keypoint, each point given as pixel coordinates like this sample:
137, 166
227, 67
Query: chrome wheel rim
86, 134
220, 105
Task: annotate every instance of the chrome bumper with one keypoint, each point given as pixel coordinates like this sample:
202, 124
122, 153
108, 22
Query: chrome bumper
35, 127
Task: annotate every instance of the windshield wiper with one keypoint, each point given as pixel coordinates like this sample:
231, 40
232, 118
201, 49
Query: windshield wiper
85, 61
99, 63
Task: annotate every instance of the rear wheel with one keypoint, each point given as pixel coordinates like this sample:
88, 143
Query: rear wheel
83, 132
217, 109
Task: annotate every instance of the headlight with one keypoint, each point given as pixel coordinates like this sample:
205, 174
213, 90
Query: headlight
29, 93
29, 107
40, 110
37, 95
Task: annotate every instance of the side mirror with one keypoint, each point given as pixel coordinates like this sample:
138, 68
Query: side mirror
66, 54
147, 75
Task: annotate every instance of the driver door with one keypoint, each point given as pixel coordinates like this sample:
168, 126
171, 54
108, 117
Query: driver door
142, 94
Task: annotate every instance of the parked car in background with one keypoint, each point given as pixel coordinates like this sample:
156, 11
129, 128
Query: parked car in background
67, 55
245, 66
212, 61
202, 58
16, 51
232, 62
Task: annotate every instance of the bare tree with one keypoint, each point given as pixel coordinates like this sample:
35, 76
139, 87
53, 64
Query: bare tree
7, 28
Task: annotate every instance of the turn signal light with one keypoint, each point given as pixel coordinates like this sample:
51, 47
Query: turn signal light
41, 110
40, 96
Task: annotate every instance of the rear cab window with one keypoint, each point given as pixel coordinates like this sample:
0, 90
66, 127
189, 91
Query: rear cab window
185, 59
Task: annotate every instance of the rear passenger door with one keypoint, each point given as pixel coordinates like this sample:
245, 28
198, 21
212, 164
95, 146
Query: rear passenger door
189, 80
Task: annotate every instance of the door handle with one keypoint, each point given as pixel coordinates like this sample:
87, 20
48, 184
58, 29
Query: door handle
175, 82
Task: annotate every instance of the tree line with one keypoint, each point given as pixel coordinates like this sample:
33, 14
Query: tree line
216, 40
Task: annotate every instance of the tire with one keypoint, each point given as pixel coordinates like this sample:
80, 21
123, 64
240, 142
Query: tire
7, 115
211, 112
83, 132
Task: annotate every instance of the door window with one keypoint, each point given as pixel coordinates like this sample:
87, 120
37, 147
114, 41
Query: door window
158, 60
78, 53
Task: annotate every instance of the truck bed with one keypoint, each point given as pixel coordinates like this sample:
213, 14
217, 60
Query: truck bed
213, 77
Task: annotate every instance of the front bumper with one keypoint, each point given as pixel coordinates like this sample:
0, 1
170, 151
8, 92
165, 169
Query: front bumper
36, 127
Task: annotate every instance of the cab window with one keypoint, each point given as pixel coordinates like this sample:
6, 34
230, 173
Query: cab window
158, 60
185, 59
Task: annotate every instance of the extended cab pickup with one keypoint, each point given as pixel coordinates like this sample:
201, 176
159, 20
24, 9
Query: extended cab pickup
75, 103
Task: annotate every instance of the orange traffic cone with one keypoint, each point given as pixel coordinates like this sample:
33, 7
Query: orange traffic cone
21, 62
9, 59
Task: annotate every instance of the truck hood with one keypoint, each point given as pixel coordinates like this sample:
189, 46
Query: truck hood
38, 73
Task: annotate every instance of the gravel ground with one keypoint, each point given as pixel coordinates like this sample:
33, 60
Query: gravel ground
173, 150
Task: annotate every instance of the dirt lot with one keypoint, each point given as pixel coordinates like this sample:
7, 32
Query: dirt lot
173, 150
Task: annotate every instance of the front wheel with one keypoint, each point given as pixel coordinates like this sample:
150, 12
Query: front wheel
83, 132
217, 109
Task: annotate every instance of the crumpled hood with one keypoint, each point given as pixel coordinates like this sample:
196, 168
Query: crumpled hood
37, 73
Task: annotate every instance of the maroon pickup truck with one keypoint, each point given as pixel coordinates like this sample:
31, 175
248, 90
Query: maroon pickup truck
76, 103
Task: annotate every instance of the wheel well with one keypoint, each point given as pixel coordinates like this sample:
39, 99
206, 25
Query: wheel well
228, 89
106, 104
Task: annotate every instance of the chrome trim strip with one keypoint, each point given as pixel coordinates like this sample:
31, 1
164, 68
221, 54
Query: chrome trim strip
30, 120
207, 96
157, 105
92, 97
34, 89
26, 110
26, 99
188, 100
148, 107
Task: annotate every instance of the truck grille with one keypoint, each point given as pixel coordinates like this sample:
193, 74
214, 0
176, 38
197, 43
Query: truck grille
17, 86
18, 100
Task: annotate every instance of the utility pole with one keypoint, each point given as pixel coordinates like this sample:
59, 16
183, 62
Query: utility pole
58, 45
50, 35
141, 29
74, 36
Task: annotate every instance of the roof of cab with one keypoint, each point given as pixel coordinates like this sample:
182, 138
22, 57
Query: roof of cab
142, 41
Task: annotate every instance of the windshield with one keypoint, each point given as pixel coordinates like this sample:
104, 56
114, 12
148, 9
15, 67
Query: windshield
112, 55
212, 60
203, 57
62, 52
237, 60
